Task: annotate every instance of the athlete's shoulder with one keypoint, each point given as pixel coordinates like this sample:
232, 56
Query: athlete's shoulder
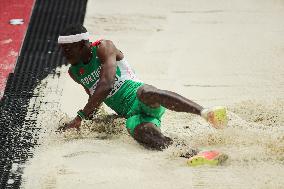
106, 49
103, 44
96, 43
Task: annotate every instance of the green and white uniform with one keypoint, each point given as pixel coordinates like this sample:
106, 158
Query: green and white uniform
122, 98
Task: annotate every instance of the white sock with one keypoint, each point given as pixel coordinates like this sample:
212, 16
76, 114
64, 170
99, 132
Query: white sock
204, 113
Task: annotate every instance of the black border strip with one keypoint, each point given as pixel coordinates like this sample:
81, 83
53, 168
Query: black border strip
39, 57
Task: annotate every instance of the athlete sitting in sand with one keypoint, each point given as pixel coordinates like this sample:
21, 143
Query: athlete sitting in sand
107, 77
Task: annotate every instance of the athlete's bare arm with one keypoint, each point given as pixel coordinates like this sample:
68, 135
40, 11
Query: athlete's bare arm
108, 55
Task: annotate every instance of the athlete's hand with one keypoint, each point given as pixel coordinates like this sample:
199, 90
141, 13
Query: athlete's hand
75, 123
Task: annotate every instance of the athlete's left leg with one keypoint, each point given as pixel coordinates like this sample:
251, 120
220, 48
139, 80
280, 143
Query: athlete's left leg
153, 97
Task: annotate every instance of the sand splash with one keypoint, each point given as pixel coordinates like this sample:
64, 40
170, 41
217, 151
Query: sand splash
103, 155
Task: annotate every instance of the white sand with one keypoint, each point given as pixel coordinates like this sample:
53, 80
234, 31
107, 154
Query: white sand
213, 52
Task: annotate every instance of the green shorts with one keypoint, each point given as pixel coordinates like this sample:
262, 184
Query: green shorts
141, 113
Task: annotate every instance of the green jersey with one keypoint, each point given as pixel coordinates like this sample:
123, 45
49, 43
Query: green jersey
122, 95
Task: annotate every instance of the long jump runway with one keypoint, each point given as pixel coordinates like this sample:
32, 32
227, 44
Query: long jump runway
38, 57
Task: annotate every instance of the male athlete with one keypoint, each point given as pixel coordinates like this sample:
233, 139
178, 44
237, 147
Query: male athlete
107, 77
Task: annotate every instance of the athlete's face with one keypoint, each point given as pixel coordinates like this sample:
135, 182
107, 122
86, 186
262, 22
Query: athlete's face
72, 52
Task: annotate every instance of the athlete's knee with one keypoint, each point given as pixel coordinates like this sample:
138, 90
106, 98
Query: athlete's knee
149, 95
146, 91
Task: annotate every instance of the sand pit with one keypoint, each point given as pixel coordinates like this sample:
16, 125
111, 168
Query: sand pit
215, 53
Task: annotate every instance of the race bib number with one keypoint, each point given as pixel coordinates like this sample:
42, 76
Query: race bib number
117, 84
